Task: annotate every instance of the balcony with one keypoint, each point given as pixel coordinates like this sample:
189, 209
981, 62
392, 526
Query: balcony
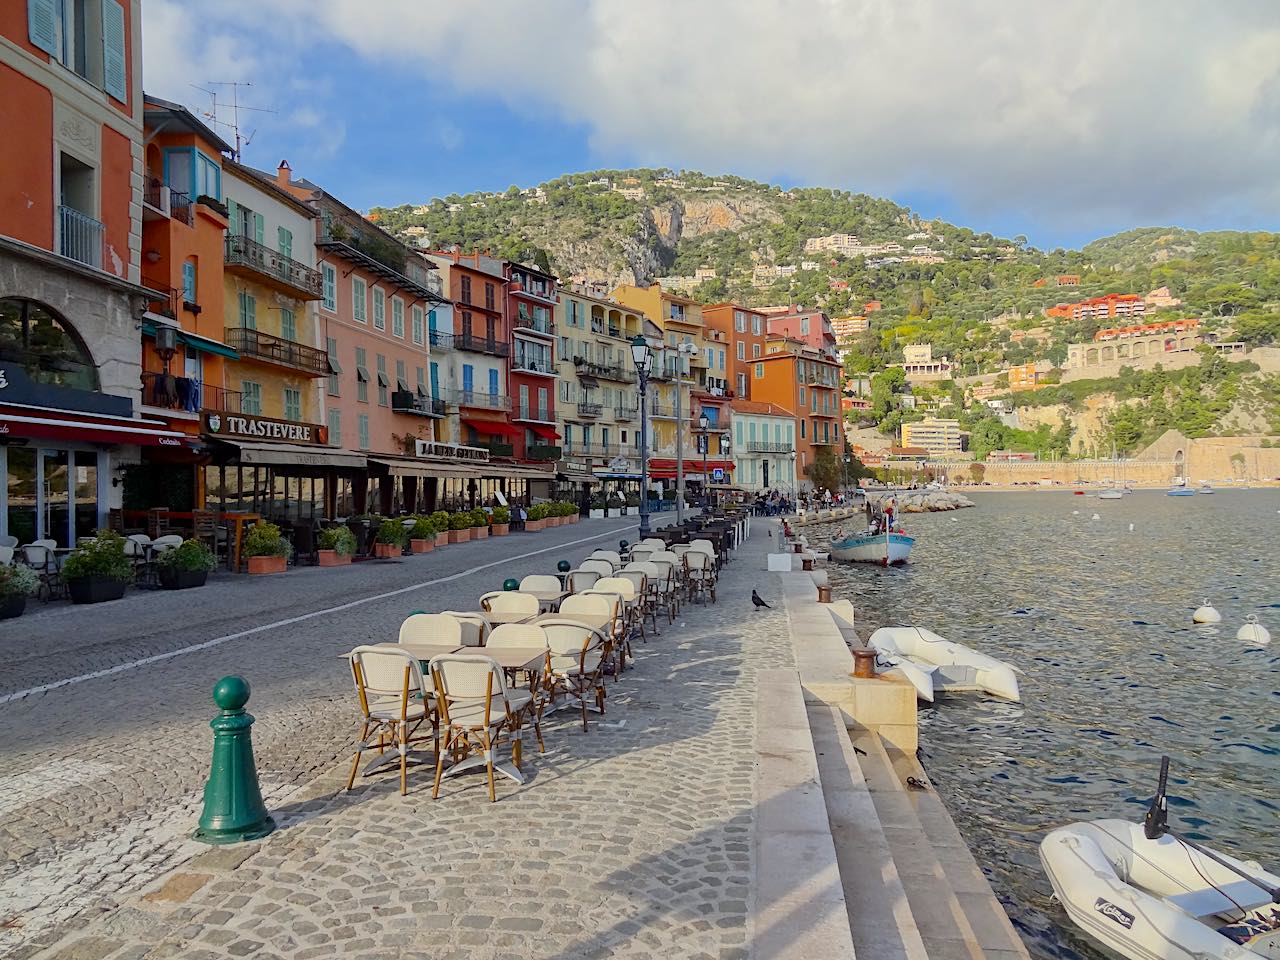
496, 449
440, 340
161, 202
256, 345
606, 371
542, 453
256, 260
406, 401
625, 413
484, 401
534, 325
527, 365
760, 446
494, 348
537, 414
182, 393
664, 412
79, 237
588, 408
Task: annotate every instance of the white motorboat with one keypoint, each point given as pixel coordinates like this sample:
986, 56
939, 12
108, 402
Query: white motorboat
1149, 894
1206, 487
1113, 494
949, 664
882, 548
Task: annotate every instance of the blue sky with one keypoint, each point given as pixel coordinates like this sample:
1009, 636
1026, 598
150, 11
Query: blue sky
1063, 121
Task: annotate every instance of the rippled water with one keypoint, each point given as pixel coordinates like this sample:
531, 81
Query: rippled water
1099, 618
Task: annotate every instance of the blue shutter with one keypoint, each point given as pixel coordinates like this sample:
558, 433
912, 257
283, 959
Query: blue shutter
114, 67
493, 383
435, 379
42, 25
468, 377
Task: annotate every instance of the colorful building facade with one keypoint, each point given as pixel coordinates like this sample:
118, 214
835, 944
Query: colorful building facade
764, 447
531, 297
795, 377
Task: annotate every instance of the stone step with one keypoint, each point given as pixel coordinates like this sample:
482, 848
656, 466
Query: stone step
879, 915
944, 924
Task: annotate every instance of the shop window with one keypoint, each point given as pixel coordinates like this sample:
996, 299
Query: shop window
44, 345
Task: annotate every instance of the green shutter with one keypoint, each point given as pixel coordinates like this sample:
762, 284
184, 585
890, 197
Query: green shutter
114, 66
257, 227
233, 214
285, 240
42, 25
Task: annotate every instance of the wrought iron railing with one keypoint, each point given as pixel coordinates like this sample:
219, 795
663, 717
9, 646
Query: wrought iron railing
406, 401
79, 237
542, 452
526, 322
473, 398
586, 408
626, 413
533, 366
760, 446
469, 341
609, 371
441, 339
240, 251
183, 393
289, 353
497, 449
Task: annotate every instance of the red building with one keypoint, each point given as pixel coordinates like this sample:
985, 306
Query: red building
808, 325
530, 308
744, 331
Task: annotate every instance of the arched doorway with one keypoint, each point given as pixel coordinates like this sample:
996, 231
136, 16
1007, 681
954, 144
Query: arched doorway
1180, 464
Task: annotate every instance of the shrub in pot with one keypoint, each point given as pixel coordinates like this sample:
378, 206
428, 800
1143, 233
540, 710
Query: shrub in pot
267, 549
440, 521
337, 544
500, 522
16, 584
422, 535
98, 569
479, 524
598, 504
537, 517
186, 565
460, 526
391, 537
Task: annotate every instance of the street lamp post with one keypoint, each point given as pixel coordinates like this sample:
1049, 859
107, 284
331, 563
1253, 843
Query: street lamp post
642, 357
704, 424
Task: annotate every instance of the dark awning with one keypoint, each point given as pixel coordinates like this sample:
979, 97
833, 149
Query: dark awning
293, 454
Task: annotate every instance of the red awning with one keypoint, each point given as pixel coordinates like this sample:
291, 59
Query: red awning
664, 468
545, 432
91, 431
496, 428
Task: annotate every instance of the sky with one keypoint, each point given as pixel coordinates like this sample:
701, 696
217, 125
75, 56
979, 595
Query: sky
1059, 120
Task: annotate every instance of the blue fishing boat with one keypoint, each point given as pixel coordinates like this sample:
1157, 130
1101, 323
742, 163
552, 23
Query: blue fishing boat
882, 548
1179, 492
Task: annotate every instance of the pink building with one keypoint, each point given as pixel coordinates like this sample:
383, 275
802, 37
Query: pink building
806, 324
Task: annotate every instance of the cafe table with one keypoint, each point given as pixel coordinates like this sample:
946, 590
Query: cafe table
505, 616
548, 599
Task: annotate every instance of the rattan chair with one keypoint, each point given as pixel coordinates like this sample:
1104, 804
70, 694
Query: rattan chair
576, 665
475, 626
510, 602
578, 581
530, 638
421, 631
702, 577
394, 703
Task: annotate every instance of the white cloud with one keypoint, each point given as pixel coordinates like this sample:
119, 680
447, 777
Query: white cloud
1068, 113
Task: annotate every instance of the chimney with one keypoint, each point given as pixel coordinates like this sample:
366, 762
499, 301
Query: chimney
284, 173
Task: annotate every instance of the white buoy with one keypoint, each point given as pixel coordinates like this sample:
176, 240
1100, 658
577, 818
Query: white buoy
953, 519
1075, 513
1131, 528
1206, 614
1253, 631
1095, 517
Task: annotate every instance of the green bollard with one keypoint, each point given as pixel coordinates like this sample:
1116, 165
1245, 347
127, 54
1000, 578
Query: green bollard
511, 583
233, 807
564, 566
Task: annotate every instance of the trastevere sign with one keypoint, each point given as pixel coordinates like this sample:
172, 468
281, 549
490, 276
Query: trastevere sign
240, 425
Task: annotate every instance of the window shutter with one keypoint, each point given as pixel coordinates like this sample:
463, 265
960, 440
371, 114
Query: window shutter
233, 213
257, 227
42, 25
114, 69
285, 237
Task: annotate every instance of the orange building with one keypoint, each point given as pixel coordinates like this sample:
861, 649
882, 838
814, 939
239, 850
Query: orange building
745, 330
71, 121
795, 377
1023, 376
1100, 308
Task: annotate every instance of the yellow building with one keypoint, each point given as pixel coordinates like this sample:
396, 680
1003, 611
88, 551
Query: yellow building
940, 437
270, 281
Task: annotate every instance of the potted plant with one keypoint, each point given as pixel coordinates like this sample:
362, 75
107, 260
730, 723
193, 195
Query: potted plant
571, 512
267, 549
337, 544
479, 524
633, 504
500, 522
537, 518
460, 526
391, 537
186, 565
440, 522
98, 569
598, 504
422, 535
615, 505
16, 584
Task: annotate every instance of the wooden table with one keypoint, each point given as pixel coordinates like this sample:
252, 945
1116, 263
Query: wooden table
239, 521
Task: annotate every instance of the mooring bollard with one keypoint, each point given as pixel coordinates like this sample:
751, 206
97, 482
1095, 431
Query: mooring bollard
824, 593
233, 807
807, 563
864, 664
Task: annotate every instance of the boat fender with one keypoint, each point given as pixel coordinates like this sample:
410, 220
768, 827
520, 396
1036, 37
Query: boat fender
1205, 613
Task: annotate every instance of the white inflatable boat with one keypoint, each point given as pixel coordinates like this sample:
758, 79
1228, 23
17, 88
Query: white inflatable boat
1159, 899
920, 677
950, 665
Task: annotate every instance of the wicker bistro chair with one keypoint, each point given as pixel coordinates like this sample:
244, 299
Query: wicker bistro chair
656, 576
544, 583
702, 578
614, 558
640, 554
476, 708
600, 611
654, 544
673, 567
510, 602
39, 556
709, 548
578, 581
525, 637
632, 618
596, 565
394, 704
616, 629
475, 626
422, 631
6, 554
640, 580
575, 665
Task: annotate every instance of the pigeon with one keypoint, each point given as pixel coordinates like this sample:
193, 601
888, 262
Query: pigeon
859, 751
757, 602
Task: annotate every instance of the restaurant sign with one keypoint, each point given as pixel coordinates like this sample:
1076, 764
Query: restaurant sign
243, 426
451, 451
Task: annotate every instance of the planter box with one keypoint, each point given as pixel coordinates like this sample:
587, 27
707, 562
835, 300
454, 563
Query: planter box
553, 521
259, 566
182, 579
533, 526
332, 558
11, 607
460, 536
479, 533
597, 514
422, 546
499, 529
613, 512
95, 589
633, 511
575, 517
442, 539
387, 551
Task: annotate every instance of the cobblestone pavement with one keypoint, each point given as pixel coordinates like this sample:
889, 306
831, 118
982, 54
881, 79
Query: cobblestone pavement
103, 776
631, 840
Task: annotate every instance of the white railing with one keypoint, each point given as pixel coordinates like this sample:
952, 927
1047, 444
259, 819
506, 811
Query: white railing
79, 237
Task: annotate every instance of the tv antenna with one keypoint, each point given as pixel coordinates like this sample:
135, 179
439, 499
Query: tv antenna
236, 106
